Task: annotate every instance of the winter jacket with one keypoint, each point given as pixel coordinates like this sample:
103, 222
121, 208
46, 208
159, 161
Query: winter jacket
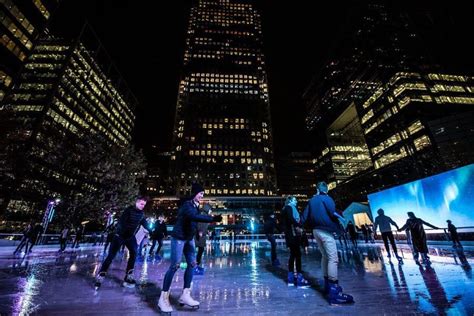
159, 232
186, 223
200, 241
319, 214
290, 225
129, 222
384, 222
417, 232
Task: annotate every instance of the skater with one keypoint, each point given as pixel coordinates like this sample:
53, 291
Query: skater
269, 227
35, 236
370, 234
142, 240
159, 233
78, 237
363, 227
418, 237
200, 240
110, 234
321, 215
182, 242
291, 224
63, 239
454, 234
132, 217
383, 222
24, 239
351, 229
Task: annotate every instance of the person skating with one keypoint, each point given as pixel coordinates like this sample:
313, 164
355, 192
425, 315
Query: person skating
418, 237
109, 230
365, 233
24, 239
35, 236
131, 218
454, 234
321, 215
200, 241
77, 239
63, 239
383, 222
293, 237
351, 229
159, 233
182, 242
270, 226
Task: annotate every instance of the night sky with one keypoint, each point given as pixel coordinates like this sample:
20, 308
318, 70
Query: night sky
146, 42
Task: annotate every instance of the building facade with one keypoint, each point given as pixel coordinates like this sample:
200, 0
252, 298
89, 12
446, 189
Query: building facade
62, 98
222, 135
21, 22
296, 175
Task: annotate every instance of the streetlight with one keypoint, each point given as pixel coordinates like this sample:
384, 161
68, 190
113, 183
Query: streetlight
48, 214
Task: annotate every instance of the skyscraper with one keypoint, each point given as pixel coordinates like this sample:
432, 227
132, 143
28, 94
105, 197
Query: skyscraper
62, 95
21, 22
222, 135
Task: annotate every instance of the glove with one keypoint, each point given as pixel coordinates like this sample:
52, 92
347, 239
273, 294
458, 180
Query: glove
217, 218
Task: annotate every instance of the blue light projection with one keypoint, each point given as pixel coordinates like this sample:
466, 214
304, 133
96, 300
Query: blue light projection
448, 195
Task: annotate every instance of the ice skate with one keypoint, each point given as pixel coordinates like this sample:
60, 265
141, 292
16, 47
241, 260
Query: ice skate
198, 270
129, 281
336, 297
164, 303
302, 282
98, 280
186, 299
291, 279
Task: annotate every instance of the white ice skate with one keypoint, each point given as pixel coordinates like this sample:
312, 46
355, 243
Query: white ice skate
186, 299
164, 302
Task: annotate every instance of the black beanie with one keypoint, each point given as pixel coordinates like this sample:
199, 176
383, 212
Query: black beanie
195, 189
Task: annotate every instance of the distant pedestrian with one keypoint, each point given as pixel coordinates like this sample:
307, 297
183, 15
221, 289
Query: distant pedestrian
200, 240
63, 239
25, 239
453, 231
78, 237
270, 227
383, 222
365, 233
35, 236
418, 237
351, 229
159, 233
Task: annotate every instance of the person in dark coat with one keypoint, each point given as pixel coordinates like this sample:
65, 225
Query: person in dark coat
321, 215
200, 240
79, 233
63, 238
363, 227
36, 234
182, 242
418, 236
131, 219
25, 239
270, 227
454, 234
291, 224
159, 233
351, 229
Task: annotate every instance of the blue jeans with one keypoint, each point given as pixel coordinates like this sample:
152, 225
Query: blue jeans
178, 248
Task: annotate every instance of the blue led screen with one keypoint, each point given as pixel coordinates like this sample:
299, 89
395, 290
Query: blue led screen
448, 195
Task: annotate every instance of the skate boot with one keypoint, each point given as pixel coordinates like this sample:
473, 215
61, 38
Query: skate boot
336, 297
198, 270
186, 299
164, 302
301, 281
129, 281
98, 280
291, 279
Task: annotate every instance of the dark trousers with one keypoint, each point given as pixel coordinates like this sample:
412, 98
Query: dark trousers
76, 242
107, 243
62, 243
24, 242
455, 239
153, 243
271, 239
295, 256
199, 255
386, 236
130, 243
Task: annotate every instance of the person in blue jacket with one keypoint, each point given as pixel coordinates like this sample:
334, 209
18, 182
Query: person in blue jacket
182, 242
321, 215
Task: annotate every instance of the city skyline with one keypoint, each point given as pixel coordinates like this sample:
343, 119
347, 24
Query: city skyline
295, 52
